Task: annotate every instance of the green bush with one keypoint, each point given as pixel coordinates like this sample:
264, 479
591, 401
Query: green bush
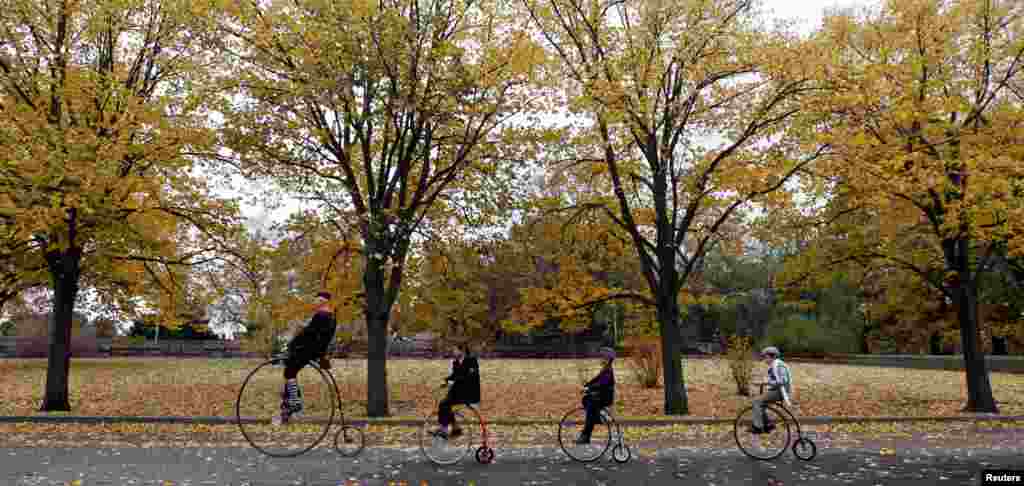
796, 334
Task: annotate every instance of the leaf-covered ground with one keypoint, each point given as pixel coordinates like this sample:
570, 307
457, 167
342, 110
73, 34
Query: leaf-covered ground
529, 389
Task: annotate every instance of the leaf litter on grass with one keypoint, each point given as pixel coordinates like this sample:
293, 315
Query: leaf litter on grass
511, 389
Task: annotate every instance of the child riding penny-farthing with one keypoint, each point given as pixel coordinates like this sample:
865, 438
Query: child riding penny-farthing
460, 426
765, 429
448, 448
586, 432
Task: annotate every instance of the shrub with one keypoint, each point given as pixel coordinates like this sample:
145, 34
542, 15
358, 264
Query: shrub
741, 363
645, 360
129, 340
794, 334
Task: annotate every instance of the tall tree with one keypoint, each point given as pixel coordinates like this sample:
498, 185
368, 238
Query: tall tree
927, 111
686, 107
379, 112
100, 106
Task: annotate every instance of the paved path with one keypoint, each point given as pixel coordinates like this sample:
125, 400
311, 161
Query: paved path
540, 466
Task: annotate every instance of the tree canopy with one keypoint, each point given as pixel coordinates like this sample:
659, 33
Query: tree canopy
103, 112
924, 117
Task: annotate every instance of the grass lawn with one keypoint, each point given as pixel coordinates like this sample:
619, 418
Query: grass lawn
535, 389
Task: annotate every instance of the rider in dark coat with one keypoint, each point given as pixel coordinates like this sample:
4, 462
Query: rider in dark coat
465, 389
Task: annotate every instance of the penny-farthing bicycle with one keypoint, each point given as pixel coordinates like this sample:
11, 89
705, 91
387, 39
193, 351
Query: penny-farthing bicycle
606, 433
448, 451
771, 444
257, 410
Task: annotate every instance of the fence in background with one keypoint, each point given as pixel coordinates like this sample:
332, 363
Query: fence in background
422, 347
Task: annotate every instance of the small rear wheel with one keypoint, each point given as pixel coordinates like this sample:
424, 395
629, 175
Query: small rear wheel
484, 455
621, 453
805, 449
349, 441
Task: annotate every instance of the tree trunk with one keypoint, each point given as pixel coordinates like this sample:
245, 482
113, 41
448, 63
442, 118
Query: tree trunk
668, 320
377, 313
865, 333
979, 388
999, 347
64, 272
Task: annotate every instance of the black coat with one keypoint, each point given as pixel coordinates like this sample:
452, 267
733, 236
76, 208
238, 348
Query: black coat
313, 341
466, 381
602, 387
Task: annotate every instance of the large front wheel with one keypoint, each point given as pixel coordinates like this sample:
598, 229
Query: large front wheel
571, 428
767, 445
446, 451
259, 403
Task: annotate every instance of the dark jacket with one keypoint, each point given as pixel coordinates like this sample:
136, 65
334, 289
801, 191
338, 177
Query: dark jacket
602, 387
313, 341
466, 381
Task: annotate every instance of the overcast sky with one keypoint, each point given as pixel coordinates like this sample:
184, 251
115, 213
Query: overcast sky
810, 11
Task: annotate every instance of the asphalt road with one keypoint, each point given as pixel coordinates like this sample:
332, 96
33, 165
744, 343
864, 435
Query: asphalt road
538, 466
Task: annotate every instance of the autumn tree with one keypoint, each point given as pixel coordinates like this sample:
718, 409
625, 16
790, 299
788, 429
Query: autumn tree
572, 266
901, 310
325, 255
379, 112
14, 280
466, 288
926, 113
101, 112
687, 112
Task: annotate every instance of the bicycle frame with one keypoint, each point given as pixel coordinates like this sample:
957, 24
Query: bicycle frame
330, 375
337, 392
617, 435
807, 448
792, 418
782, 406
473, 407
484, 453
483, 424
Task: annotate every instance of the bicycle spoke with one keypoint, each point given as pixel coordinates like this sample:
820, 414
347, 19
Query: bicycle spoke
349, 441
448, 451
767, 445
259, 404
571, 428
